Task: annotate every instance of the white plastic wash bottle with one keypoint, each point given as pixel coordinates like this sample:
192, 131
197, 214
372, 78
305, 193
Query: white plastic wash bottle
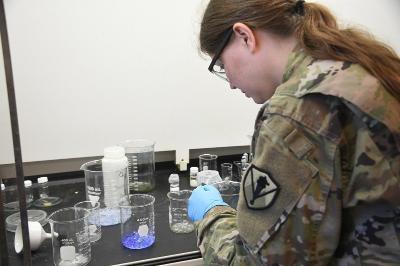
114, 166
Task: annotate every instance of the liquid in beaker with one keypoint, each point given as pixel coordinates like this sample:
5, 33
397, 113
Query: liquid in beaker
141, 166
179, 221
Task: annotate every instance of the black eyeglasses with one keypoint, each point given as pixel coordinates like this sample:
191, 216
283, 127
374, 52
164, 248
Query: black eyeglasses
216, 67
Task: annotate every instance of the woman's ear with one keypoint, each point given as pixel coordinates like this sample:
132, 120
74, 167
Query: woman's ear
245, 35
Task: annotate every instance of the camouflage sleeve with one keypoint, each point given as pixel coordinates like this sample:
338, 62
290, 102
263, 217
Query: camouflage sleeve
288, 211
319, 191
293, 217
218, 238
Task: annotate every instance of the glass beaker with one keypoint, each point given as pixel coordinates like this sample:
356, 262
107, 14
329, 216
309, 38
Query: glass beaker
179, 221
208, 162
70, 236
229, 191
226, 171
137, 221
141, 169
94, 218
107, 195
11, 201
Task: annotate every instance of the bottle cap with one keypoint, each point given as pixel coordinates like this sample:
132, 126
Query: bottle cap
3, 186
194, 170
28, 183
114, 152
173, 178
42, 179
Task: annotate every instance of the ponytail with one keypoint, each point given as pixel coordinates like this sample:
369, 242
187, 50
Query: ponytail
316, 29
320, 36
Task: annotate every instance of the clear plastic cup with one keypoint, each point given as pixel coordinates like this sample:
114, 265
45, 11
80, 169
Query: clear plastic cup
208, 162
107, 195
229, 191
70, 236
94, 218
137, 221
141, 164
179, 221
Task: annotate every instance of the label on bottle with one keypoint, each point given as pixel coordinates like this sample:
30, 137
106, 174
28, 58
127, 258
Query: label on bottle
193, 182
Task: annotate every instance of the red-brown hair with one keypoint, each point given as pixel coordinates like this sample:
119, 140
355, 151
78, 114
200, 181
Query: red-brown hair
317, 32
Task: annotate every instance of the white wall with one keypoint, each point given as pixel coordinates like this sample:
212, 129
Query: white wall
92, 73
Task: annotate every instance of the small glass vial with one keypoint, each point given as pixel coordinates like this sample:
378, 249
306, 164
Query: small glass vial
173, 182
3, 196
28, 191
43, 186
193, 176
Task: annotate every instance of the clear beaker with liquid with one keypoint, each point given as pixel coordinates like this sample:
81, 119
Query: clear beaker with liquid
70, 236
141, 165
179, 221
137, 221
109, 193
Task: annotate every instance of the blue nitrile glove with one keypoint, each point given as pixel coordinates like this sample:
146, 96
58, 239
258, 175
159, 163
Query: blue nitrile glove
203, 198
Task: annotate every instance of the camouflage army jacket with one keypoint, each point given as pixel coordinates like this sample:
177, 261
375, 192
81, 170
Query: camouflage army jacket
324, 185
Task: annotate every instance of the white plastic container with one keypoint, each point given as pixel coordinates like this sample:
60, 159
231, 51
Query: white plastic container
173, 182
193, 176
114, 160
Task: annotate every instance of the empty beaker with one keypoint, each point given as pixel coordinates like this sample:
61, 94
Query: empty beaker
115, 188
226, 171
229, 191
11, 200
93, 219
141, 169
179, 221
208, 162
70, 236
137, 221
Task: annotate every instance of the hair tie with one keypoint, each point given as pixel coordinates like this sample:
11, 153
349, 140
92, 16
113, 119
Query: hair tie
299, 8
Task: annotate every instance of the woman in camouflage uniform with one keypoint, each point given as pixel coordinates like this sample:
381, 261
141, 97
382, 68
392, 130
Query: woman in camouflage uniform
324, 184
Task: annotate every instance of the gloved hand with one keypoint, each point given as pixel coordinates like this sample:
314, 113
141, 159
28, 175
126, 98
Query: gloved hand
203, 198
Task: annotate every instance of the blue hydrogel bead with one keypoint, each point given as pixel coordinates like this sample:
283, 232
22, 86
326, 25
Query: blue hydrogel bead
135, 241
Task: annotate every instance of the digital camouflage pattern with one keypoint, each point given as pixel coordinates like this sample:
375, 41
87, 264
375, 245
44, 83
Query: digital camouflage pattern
330, 138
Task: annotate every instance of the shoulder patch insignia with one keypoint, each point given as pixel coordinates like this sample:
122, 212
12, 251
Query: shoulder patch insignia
259, 188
